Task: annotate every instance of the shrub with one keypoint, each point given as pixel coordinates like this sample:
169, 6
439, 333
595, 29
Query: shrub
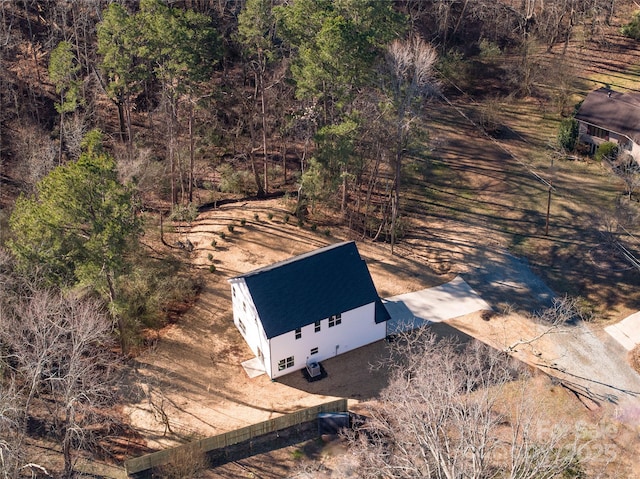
489, 50
632, 29
270, 216
222, 235
186, 464
256, 217
489, 116
187, 212
212, 268
150, 291
230, 228
214, 243
243, 222
453, 65
314, 227
606, 151
210, 256
286, 218
234, 181
327, 232
568, 134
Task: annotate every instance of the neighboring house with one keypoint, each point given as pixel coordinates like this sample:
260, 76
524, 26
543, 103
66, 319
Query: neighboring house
308, 308
607, 115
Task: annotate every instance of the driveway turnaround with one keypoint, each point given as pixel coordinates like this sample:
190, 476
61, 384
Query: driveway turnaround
627, 331
432, 305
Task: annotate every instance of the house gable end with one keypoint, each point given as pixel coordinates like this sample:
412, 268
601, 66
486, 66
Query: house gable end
307, 288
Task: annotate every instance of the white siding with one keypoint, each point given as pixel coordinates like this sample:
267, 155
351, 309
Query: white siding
246, 320
635, 151
624, 142
357, 328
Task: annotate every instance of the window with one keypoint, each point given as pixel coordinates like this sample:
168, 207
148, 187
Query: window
244, 306
298, 333
335, 320
314, 351
317, 327
233, 291
285, 363
242, 326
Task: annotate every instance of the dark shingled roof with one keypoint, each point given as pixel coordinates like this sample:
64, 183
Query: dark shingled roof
612, 111
310, 287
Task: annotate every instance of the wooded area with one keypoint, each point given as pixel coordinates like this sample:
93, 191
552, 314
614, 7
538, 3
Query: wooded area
111, 111
234, 97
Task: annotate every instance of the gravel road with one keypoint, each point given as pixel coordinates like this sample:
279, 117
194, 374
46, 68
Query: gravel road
583, 356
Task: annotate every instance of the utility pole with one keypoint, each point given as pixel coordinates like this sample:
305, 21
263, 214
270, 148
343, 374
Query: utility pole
546, 228
550, 187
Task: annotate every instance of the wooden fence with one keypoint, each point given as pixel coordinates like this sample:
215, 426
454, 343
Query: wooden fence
160, 458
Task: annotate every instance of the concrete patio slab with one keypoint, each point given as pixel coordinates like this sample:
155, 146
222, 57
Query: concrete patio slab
253, 367
432, 305
627, 331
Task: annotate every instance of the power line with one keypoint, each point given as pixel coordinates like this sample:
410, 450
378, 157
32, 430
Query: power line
534, 173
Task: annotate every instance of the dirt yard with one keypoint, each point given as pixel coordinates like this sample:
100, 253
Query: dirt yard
191, 384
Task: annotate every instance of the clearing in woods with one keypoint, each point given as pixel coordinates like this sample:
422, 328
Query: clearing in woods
472, 201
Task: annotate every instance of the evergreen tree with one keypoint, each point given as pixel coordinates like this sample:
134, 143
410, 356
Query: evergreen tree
180, 48
119, 44
255, 33
79, 225
63, 73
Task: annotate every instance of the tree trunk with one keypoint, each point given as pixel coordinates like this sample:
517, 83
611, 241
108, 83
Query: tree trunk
260, 192
343, 204
284, 160
191, 153
66, 449
370, 187
252, 134
124, 346
127, 116
121, 121
61, 133
264, 135
395, 201
172, 175
171, 117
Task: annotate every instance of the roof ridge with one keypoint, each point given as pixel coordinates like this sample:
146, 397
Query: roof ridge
293, 259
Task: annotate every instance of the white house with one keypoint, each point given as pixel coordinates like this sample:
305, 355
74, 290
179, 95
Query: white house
308, 308
607, 115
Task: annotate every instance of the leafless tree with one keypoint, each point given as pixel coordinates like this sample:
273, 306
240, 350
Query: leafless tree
35, 152
564, 311
411, 67
59, 348
11, 430
628, 170
444, 414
